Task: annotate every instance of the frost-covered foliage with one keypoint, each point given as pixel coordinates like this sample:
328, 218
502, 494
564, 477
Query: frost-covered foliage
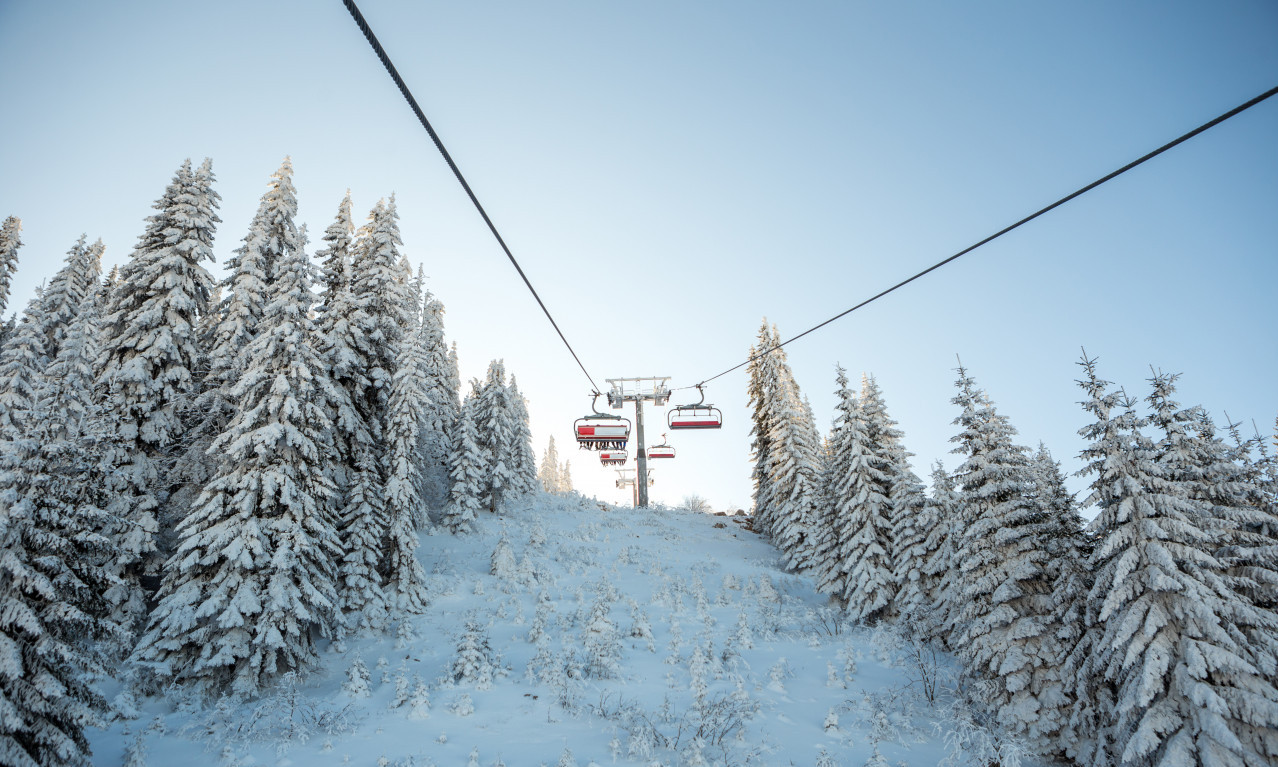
523, 459
1164, 672
442, 404
253, 577
1005, 632
150, 348
405, 581
55, 564
793, 471
496, 421
466, 472
550, 473
870, 586
72, 288
942, 564
761, 390
10, 243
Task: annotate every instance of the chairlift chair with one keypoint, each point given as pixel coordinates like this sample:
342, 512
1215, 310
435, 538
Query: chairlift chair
600, 431
661, 451
698, 416
613, 457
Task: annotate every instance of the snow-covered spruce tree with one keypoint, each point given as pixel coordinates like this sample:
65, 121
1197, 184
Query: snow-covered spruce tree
565, 478
254, 576
22, 362
442, 406
793, 474
47, 701
149, 332
907, 521
1215, 480
863, 526
549, 473
73, 286
495, 420
846, 447
941, 568
1068, 548
1005, 635
337, 322
230, 326
1162, 620
762, 389
10, 242
54, 568
913, 520
524, 459
52, 466
466, 471
375, 327
405, 581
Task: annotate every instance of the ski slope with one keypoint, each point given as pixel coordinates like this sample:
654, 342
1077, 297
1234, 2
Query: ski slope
613, 636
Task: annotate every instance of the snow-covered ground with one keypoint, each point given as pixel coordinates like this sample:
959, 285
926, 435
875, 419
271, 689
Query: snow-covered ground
608, 636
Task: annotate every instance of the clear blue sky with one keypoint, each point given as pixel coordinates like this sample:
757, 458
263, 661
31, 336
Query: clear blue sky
668, 173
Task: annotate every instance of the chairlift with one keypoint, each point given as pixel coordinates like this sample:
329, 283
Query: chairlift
613, 457
661, 451
698, 416
600, 431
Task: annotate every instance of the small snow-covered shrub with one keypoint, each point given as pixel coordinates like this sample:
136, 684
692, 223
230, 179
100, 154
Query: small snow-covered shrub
473, 663
357, 679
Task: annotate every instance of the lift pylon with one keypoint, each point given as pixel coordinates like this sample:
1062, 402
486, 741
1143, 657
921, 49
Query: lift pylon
654, 389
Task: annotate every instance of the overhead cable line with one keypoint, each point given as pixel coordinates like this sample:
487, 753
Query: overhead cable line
421, 116
1211, 123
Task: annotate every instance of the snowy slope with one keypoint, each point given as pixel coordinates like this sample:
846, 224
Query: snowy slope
752, 658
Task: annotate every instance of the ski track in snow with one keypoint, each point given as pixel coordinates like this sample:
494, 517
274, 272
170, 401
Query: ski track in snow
692, 576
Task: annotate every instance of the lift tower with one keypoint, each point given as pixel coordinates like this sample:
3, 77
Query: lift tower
639, 390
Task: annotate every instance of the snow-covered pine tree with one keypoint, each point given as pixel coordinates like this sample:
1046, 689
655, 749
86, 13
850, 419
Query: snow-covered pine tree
793, 473
1161, 619
405, 581
549, 473
863, 522
762, 390
846, 446
1068, 549
1005, 633
524, 459
10, 242
254, 575
443, 404
374, 328
54, 567
565, 478
466, 470
230, 326
22, 362
43, 676
495, 420
941, 567
907, 518
913, 520
71, 288
150, 345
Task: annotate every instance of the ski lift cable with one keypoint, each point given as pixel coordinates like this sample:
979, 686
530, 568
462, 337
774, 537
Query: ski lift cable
1210, 124
421, 116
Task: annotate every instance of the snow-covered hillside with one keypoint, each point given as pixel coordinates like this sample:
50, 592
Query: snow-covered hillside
566, 632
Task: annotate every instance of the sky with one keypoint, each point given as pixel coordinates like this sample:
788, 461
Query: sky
670, 173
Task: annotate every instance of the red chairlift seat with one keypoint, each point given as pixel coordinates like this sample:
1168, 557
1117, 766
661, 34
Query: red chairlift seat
613, 457
698, 416
661, 451
600, 431
694, 417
